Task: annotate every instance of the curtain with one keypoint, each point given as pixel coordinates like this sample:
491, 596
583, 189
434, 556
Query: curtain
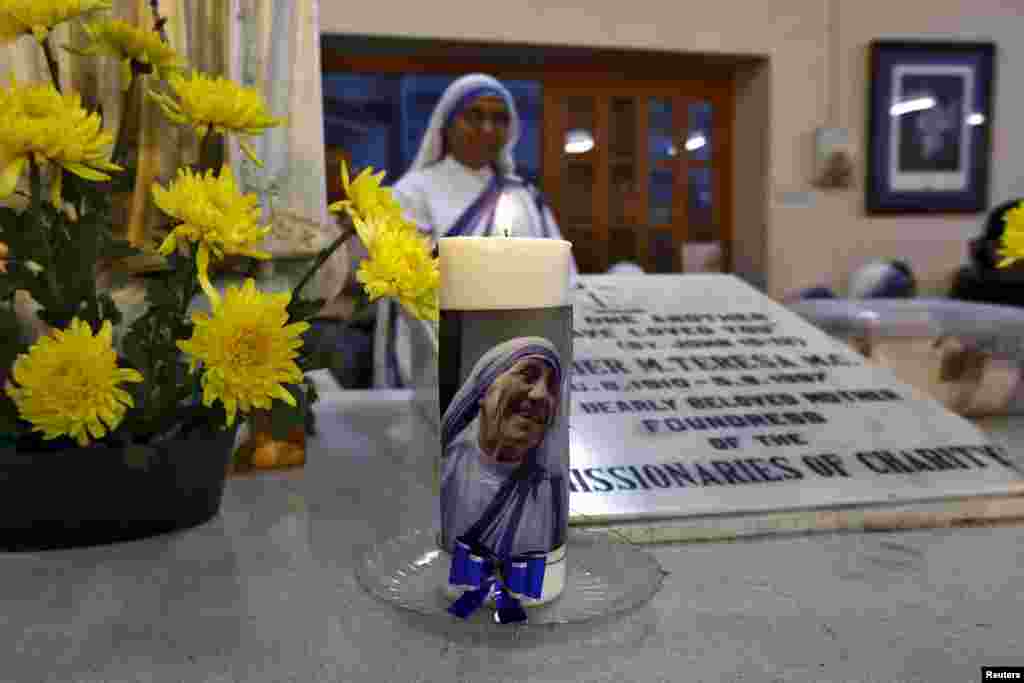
272, 45
277, 51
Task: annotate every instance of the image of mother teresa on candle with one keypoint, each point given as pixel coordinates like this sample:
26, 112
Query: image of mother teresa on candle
503, 487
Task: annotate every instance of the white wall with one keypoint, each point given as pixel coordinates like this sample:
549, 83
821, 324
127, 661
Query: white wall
802, 246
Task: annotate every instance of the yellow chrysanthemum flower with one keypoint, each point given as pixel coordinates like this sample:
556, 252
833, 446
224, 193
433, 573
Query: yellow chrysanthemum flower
366, 197
21, 17
215, 216
247, 350
401, 265
42, 125
206, 102
115, 38
370, 229
1012, 243
67, 383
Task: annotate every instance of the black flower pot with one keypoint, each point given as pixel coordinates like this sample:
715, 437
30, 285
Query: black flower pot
74, 497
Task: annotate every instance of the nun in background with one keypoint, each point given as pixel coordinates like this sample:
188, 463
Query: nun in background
462, 182
503, 484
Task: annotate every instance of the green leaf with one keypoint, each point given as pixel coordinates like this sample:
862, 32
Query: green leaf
9, 219
108, 310
312, 396
133, 349
137, 348
57, 317
11, 342
75, 256
315, 354
9, 423
73, 189
138, 456
284, 418
316, 361
303, 309
87, 172
18, 276
117, 249
8, 286
24, 234
365, 315
161, 292
123, 181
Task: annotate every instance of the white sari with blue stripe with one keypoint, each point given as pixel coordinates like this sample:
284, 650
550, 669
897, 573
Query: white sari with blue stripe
445, 198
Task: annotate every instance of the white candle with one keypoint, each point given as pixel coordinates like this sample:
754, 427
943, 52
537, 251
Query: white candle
503, 273
481, 273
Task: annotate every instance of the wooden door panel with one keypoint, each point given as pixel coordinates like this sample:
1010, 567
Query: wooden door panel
627, 199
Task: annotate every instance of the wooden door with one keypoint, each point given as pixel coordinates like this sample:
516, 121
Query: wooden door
636, 170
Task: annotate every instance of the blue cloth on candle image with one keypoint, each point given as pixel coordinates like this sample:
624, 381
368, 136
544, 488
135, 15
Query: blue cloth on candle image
443, 197
531, 512
508, 508
478, 569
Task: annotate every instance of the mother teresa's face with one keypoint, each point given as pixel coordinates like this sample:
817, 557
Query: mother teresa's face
517, 408
478, 134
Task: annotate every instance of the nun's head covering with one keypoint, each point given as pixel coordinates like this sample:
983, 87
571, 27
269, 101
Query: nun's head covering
465, 406
459, 95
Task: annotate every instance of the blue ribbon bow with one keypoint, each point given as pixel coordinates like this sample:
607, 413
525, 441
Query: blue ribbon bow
489, 575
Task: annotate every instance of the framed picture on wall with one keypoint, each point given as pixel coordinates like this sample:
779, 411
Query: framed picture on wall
929, 122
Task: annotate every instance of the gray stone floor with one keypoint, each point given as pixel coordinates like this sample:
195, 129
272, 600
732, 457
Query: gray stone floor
266, 592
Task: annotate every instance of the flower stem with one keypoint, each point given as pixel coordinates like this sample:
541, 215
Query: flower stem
36, 186
127, 111
347, 232
35, 183
159, 22
191, 288
51, 61
189, 293
161, 378
207, 152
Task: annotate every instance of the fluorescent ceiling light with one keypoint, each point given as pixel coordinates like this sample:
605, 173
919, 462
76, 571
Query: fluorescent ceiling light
578, 141
907, 106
